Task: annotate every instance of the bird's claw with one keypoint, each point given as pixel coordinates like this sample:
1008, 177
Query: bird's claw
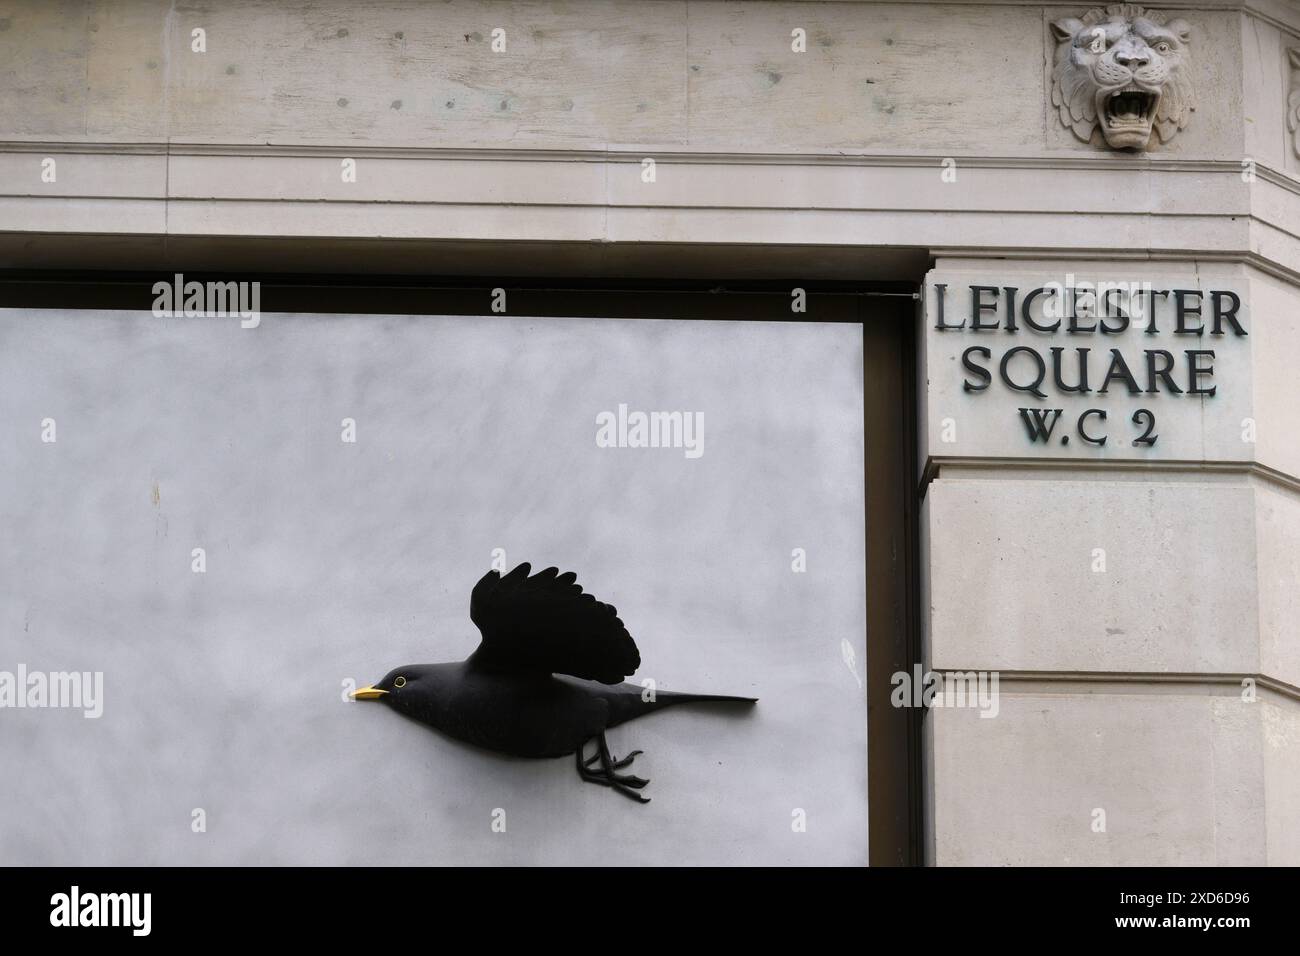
605, 775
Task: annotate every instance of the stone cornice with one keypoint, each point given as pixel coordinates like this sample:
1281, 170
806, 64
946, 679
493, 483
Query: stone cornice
1106, 161
803, 199
635, 153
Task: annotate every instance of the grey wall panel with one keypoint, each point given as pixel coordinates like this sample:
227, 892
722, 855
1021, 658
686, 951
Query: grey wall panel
328, 560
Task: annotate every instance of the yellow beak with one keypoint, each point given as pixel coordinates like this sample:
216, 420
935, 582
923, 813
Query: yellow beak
368, 693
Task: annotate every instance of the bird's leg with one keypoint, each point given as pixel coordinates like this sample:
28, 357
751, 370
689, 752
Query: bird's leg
606, 776
618, 764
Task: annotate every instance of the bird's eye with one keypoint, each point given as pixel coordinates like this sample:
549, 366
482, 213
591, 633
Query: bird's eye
399, 682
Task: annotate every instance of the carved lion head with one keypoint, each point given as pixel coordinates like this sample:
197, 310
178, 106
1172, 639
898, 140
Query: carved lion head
1122, 69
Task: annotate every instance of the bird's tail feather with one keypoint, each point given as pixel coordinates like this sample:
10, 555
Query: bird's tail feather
674, 697
634, 701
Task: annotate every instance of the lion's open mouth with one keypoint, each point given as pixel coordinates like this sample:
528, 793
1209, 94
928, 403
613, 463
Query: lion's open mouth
1130, 108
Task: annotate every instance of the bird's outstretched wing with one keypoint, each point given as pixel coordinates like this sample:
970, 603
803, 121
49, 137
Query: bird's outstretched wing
546, 624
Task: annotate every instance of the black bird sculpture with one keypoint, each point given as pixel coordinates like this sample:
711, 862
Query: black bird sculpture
545, 680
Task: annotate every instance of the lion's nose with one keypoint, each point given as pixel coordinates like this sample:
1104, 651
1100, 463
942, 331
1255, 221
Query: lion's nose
1132, 59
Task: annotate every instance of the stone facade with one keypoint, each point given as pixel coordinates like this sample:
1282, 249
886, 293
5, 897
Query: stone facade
904, 141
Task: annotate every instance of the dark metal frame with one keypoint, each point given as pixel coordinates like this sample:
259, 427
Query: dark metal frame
889, 317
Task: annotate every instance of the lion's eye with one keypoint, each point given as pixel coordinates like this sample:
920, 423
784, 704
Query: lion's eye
1163, 48
399, 682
